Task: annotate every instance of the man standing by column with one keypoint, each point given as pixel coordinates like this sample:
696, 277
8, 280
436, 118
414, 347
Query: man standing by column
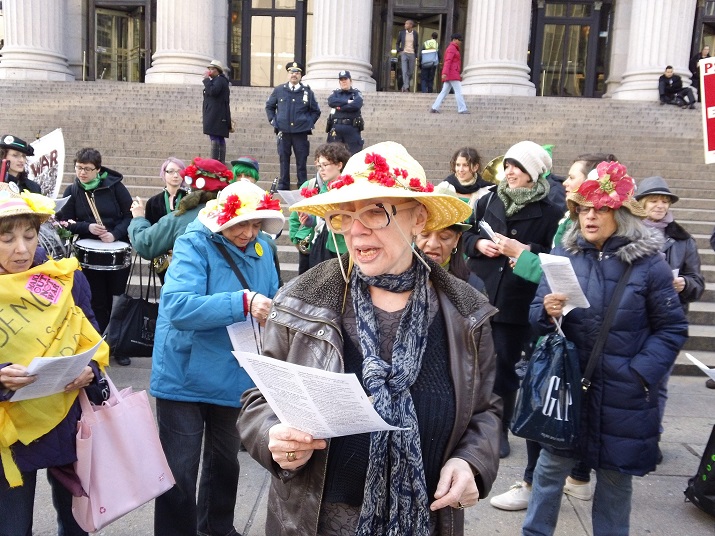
407, 45
345, 122
217, 109
293, 112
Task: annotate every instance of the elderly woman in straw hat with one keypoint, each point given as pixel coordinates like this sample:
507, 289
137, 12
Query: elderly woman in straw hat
221, 273
419, 341
619, 412
45, 312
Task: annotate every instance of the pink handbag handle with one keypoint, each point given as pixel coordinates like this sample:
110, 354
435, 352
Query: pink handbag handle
86, 405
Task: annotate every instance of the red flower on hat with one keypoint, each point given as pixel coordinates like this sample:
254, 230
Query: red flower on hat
230, 208
341, 181
268, 203
382, 175
612, 187
308, 192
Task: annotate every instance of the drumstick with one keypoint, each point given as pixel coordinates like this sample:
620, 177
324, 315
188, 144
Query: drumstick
93, 208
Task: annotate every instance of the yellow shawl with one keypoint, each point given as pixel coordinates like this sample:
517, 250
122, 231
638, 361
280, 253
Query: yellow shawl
39, 318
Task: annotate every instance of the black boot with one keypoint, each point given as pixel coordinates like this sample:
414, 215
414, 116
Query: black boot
222, 153
509, 400
214, 150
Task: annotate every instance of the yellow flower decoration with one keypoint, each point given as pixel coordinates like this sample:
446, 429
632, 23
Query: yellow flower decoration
38, 203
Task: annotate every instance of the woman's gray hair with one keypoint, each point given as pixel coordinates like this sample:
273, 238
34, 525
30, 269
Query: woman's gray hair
628, 226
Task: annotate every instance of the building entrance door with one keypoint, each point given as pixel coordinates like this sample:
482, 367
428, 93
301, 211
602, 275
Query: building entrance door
424, 28
120, 50
570, 49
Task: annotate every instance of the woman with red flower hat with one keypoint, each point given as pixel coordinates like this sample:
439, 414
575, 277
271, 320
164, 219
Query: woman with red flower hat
619, 411
221, 273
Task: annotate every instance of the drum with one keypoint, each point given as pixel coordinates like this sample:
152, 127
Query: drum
98, 255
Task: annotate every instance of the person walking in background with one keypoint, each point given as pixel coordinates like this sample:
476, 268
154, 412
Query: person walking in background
99, 208
418, 340
16, 151
518, 207
619, 421
345, 116
671, 90
196, 380
452, 76
429, 60
217, 109
293, 111
166, 202
407, 46
695, 69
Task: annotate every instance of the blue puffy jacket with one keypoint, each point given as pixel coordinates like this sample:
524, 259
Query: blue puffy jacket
619, 416
192, 359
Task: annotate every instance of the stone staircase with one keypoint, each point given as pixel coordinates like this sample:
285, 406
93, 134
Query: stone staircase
136, 126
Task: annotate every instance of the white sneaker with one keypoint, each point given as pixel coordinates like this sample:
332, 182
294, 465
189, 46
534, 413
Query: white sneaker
517, 498
580, 491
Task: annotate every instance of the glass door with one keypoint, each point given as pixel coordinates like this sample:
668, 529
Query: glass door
564, 60
119, 45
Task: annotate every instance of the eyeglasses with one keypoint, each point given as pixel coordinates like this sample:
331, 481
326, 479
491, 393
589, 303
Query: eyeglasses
172, 172
81, 169
580, 209
372, 217
324, 166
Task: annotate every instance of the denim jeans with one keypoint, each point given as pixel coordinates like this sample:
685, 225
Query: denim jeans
17, 507
446, 86
182, 427
611, 510
580, 471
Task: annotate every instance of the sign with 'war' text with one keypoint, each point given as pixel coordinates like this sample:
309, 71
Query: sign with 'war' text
707, 87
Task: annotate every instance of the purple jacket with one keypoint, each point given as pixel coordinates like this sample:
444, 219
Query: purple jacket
57, 447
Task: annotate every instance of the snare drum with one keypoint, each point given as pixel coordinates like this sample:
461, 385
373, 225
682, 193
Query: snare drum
98, 255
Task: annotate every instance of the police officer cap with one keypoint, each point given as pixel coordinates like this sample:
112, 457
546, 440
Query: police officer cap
344, 74
294, 66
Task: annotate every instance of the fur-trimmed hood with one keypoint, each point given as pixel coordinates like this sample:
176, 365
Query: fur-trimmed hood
628, 249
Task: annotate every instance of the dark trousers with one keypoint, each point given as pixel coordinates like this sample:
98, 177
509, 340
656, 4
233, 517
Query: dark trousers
183, 426
427, 79
347, 134
682, 97
17, 507
105, 284
509, 339
300, 146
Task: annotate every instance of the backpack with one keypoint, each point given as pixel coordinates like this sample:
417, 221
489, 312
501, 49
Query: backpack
429, 58
701, 487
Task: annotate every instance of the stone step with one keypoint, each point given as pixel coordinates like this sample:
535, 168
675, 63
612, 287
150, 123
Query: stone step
702, 313
701, 338
683, 365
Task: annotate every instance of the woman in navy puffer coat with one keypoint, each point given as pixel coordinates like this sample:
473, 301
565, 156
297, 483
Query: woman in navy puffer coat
619, 414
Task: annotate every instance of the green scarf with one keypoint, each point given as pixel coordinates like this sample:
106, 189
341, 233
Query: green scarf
517, 198
91, 185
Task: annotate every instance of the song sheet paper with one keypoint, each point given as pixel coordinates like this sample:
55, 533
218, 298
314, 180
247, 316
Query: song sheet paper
320, 403
562, 279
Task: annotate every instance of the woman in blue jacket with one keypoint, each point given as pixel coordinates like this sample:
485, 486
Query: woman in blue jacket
196, 380
619, 413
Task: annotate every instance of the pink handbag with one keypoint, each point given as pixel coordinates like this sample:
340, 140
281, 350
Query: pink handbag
120, 462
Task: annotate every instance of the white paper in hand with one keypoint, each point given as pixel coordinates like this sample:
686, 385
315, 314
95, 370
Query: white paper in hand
562, 279
702, 366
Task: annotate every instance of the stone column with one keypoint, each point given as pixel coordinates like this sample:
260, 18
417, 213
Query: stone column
495, 48
341, 41
184, 41
34, 41
619, 45
660, 35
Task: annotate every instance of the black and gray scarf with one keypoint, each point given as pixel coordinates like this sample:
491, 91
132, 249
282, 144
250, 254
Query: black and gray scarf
395, 499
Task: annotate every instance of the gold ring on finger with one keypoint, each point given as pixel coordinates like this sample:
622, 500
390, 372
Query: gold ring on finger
460, 506
290, 456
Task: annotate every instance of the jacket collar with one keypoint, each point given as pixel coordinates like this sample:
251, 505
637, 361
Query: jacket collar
626, 249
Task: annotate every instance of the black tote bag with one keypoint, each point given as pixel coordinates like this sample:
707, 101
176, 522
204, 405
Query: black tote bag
701, 487
130, 332
548, 406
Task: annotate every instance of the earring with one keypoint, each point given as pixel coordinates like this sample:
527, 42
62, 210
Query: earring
454, 251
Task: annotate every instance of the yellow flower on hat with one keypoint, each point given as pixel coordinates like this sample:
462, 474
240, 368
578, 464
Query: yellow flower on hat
38, 203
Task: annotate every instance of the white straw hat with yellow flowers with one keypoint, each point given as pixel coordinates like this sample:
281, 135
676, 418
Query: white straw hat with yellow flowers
13, 203
382, 171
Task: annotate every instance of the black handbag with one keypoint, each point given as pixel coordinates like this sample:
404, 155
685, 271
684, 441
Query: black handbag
548, 407
130, 332
701, 487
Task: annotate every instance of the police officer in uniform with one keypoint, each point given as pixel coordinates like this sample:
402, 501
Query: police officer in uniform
293, 112
345, 122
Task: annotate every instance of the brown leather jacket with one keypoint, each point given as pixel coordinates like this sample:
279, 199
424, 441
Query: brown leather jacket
304, 327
